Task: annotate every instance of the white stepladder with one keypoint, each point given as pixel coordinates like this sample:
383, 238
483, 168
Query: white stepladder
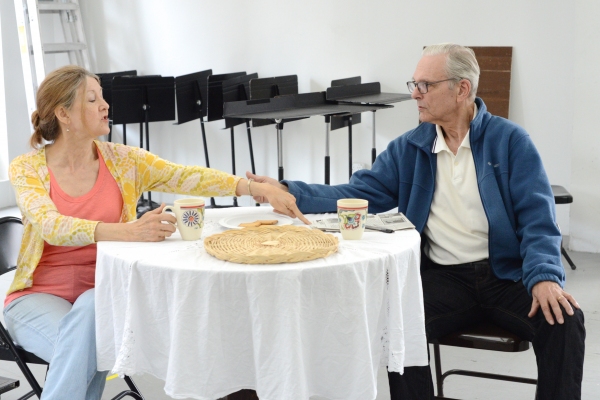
33, 47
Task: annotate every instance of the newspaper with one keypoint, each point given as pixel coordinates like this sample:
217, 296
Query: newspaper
396, 222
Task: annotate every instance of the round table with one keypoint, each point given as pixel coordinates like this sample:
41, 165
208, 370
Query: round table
289, 331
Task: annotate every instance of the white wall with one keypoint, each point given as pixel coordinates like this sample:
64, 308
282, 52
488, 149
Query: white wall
585, 171
17, 122
3, 131
379, 40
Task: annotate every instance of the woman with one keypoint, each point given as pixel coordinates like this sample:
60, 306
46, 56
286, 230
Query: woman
74, 192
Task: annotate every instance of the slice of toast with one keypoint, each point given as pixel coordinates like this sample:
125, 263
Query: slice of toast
249, 224
268, 221
258, 223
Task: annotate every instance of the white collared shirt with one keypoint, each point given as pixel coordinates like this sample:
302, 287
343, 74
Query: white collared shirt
457, 228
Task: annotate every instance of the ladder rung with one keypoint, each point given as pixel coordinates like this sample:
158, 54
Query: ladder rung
33, 49
54, 7
63, 47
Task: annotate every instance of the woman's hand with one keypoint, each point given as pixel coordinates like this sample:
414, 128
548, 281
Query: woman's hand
153, 226
265, 179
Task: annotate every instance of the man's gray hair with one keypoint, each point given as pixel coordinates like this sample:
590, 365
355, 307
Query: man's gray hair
460, 63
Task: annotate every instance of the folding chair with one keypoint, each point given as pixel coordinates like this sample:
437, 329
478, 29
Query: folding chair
11, 232
484, 337
562, 196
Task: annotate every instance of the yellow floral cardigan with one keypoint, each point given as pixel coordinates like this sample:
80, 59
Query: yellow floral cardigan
135, 170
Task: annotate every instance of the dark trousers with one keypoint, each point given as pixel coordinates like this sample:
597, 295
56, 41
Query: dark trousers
456, 296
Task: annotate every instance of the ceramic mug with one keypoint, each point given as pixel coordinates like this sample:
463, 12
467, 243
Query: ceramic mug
190, 217
352, 216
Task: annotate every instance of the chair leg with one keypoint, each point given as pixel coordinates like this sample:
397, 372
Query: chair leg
566, 256
36, 389
244, 394
8, 342
128, 393
439, 380
132, 386
27, 396
133, 391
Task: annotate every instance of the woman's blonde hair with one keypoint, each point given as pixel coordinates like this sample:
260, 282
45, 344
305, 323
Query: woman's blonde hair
59, 88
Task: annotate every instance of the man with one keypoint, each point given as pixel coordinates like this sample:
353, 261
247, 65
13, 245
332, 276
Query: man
474, 186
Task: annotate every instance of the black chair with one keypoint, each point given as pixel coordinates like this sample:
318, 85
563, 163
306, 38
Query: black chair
562, 196
11, 232
482, 336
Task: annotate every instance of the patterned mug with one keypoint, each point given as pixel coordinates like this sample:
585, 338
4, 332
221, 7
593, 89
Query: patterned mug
190, 217
352, 216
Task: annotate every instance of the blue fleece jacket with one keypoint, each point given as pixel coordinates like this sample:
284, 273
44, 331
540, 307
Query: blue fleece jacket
524, 240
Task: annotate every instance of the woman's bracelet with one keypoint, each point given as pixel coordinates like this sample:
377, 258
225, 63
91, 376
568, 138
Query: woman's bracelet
249, 182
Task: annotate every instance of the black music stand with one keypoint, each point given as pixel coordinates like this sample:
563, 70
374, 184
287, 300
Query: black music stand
366, 93
106, 84
268, 88
143, 99
338, 122
238, 89
191, 92
291, 107
215, 108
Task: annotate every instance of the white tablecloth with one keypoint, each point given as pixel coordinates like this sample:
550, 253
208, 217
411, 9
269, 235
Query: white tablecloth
290, 331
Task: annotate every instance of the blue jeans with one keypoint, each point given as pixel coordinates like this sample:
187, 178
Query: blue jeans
63, 334
457, 296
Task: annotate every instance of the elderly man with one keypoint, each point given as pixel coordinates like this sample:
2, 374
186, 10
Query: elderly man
474, 186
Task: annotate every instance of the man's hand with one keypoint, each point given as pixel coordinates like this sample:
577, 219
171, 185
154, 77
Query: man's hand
265, 179
268, 190
549, 296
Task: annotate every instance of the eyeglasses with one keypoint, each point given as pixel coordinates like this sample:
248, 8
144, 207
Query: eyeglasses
423, 87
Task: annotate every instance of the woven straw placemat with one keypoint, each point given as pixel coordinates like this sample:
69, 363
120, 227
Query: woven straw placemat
271, 245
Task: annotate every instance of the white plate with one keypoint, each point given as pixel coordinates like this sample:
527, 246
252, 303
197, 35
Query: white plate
235, 221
